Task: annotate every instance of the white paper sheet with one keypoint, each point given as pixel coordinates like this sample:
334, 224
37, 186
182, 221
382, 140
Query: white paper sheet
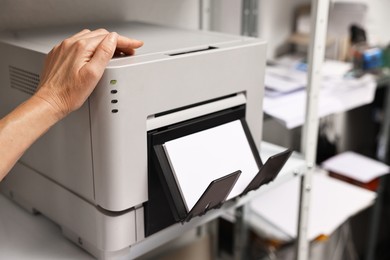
332, 203
284, 80
281, 85
336, 95
335, 68
356, 166
200, 158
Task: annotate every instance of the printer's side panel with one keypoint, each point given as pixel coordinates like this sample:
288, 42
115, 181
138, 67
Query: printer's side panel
18, 60
63, 154
126, 96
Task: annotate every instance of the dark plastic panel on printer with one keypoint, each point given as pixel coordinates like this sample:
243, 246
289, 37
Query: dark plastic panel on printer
165, 205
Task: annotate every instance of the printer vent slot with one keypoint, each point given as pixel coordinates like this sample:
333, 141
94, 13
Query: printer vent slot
192, 51
23, 80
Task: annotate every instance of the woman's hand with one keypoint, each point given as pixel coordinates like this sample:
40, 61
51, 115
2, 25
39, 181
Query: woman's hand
74, 67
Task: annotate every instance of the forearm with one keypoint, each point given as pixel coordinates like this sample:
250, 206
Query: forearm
20, 128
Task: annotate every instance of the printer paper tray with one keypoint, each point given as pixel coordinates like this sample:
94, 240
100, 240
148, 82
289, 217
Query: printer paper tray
166, 204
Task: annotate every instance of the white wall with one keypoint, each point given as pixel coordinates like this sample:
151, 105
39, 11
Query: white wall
276, 22
378, 20
18, 14
275, 19
226, 16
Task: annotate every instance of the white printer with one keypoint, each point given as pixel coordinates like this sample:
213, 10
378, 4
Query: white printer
109, 174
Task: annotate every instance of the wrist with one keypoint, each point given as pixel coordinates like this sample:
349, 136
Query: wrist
51, 111
47, 102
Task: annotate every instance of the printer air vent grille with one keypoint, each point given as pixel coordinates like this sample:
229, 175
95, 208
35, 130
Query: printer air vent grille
23, 80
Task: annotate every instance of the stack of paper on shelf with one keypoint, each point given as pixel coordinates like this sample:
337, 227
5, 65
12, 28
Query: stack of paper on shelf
355, 167
285, 95
281, 80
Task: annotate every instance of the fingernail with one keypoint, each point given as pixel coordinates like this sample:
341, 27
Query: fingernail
139, 42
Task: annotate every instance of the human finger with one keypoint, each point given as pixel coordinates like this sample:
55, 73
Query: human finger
92, 34
86, 47
81, 33
127, 45
124, 44
72, 38
102, 55
84, 34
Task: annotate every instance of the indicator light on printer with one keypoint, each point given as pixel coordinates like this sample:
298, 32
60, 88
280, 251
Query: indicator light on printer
113, 81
